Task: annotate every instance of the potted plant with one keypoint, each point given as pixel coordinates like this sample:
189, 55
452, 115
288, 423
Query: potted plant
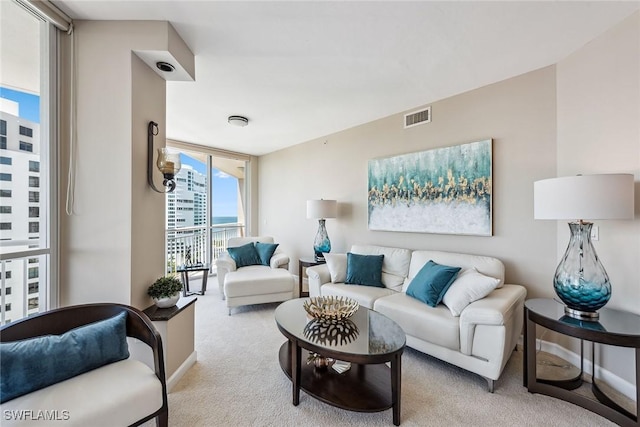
165, 291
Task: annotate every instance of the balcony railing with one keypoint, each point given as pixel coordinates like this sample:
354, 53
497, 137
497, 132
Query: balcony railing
189, 245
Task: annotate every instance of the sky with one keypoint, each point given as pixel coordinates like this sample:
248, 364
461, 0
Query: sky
224, 188
29, 107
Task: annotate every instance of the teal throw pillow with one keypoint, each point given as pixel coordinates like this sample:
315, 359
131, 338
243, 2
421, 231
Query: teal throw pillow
364, 270
245, 255
432, 282
265, 251
31, 364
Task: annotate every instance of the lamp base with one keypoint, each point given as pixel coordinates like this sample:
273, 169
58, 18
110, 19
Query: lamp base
582, 315
319, 258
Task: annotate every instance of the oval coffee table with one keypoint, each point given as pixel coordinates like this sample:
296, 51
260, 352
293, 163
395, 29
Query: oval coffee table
368, 339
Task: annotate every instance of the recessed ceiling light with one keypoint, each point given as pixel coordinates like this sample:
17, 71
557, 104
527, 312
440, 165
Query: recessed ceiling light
239, 121
165, 66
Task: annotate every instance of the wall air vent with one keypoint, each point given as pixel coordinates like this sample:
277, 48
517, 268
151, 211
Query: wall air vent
416, 118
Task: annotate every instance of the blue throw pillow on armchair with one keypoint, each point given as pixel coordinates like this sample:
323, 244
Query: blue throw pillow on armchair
31, 364
265, 251
245, 255
364, 270
432, 282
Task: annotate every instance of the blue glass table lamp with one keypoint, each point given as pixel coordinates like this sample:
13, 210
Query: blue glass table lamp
580, 280
321, 210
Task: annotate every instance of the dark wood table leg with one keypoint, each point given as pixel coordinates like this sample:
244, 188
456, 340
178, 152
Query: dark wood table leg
530, 344
396, 379
185, 282
205, 276
524, 353
296, 354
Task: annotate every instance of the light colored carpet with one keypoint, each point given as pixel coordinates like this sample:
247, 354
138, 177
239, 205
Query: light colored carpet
238, 381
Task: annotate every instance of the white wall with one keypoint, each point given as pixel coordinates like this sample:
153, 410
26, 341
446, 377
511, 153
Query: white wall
599, 132
112, 247
519, 114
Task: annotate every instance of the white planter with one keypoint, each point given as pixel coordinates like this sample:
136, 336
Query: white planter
167, 301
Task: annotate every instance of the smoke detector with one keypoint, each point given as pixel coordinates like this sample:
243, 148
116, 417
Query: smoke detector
239, 121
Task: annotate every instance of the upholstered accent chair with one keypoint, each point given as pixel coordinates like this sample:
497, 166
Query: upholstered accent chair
246, 280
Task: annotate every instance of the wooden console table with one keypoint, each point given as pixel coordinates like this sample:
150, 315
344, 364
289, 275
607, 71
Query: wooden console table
614, 327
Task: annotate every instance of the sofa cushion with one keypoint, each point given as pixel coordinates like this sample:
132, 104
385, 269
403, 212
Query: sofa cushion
488, 266
118, 394
265, 251
31, 364
245, 255
337, 264
364, 270
468, 287
257, 280
432, 324
365, 295
432, 282
395, 265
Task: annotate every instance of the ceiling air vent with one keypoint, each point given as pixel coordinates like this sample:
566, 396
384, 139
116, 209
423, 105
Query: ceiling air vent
417, 118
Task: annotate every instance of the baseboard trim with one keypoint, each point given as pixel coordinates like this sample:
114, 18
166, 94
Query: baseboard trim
182, 369
619, 384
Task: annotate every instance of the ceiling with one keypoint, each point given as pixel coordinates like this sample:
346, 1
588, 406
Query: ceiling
300, 70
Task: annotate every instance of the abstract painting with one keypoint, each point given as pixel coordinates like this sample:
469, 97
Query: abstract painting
444, 190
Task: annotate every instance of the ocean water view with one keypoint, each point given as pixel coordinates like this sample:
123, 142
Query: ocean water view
224, 219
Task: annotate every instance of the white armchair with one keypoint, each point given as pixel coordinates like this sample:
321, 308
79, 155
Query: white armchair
254, 284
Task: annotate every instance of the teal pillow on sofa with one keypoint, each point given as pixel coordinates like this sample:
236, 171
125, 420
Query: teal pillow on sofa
265, 251
364, 270
35, 363
432, 282
245, 255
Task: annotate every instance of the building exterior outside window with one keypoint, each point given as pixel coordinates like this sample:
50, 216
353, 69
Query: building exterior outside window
26, 131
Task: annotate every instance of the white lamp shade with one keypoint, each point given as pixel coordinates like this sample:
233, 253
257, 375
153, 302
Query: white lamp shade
608, 196
322, 209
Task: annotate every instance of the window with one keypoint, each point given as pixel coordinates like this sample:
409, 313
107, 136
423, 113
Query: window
7, 307
26, 131
26, 146
34, 287
5, 226
5, 160
7, 275
7, 290
33, 260
5, 177
5, 209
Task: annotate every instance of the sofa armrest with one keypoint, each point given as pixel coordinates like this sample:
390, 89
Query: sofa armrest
499, 308
318, 275
224, 264
279, 260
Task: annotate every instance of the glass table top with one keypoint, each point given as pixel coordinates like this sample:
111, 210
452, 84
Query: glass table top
367, 332
611, 321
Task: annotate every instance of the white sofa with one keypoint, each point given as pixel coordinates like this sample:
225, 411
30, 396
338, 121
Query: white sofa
479, 340
254, 284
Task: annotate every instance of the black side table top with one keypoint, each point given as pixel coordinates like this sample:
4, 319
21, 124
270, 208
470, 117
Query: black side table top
155, 314
613, 327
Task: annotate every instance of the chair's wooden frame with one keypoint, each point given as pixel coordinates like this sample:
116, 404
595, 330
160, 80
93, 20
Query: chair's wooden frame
59, 321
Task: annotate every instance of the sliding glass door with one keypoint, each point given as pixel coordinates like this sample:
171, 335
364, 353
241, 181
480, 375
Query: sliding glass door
205, 210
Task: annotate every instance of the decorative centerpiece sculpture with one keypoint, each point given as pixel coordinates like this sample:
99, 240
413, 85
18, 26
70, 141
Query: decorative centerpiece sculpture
330, 307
